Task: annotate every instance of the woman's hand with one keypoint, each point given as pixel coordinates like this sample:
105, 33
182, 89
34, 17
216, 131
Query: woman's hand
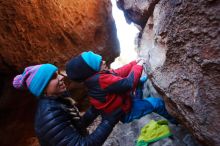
114, 116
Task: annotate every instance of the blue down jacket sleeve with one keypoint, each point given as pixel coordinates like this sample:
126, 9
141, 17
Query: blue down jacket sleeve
54, 127
90, 115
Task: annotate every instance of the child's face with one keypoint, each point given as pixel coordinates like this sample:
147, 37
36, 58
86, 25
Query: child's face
104, 66
56, 85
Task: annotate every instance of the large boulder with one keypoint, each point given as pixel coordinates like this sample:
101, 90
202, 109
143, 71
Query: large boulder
137, 11
17, 115
40, 31
181, 40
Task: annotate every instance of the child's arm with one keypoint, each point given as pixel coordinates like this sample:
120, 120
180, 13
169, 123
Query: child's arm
116, 84
125, 70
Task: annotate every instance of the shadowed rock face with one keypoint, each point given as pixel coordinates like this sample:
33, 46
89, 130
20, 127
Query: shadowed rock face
45, 31
16, 116
137, 11
40, 31
181, 40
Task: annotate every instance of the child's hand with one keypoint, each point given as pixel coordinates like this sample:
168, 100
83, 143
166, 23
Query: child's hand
140, 61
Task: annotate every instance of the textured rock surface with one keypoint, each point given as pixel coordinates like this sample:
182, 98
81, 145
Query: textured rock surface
17, 116
181, 40
41, 31
127, 134
137, 11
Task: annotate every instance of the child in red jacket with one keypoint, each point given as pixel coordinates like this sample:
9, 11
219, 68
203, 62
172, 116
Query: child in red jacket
109, 90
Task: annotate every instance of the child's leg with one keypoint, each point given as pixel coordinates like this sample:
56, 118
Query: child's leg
142, 107
139, 109
159, 108
139, 89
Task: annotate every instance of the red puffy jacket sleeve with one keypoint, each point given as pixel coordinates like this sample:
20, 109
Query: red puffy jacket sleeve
116, 84
125, 70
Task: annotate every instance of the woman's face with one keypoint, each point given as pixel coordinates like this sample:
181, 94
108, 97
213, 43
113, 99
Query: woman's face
56, 85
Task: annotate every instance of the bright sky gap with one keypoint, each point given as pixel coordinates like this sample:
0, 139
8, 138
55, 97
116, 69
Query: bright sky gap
126, 35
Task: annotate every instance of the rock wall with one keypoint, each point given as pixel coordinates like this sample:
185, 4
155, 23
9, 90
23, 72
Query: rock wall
181, 41
45, 31
17, 110
40, 31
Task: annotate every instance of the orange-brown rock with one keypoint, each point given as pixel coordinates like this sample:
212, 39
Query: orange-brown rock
39, 31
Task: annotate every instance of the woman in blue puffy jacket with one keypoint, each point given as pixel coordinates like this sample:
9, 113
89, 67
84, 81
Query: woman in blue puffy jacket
57, 120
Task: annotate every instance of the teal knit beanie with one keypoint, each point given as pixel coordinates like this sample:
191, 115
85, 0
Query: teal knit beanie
35, 78
92, 59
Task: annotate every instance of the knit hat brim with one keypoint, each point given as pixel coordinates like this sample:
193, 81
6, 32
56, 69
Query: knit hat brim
92, 59
78, 70
42, 78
